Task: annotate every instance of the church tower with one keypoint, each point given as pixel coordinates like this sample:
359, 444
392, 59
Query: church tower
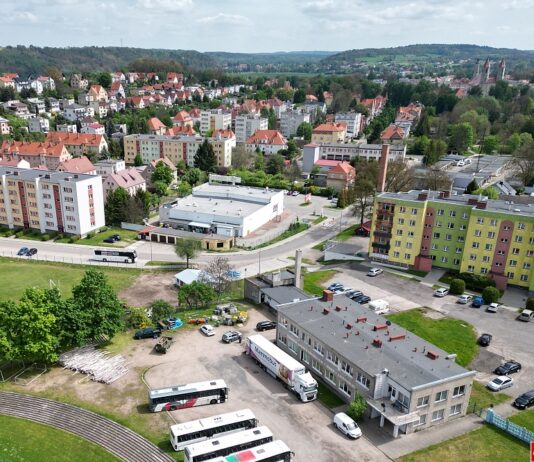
487, 70
502, 70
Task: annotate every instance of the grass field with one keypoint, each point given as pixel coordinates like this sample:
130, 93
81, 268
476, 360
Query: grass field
22, 440
313, 282
328, 397
481, 397
288, 233
39, 274
451, 335
127, 238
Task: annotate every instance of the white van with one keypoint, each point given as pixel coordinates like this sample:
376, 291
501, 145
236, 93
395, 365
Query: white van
379, 306
346, 425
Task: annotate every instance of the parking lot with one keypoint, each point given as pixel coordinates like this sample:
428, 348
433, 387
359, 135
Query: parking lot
305, 427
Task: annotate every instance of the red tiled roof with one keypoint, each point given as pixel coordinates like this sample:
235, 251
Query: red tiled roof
32, 148
154, 124
77, 165
343, 167
183, 130
330, 127
166, 161
267, 137
182, 116
223, 134
392, 132
327, 163
75, 139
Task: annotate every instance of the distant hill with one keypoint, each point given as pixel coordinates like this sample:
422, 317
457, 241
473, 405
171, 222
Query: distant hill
279, 57
421, 52
35, 60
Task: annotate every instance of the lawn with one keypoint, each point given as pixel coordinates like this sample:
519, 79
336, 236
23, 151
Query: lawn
346, 233
451, 335
319, 220
482, 398
288, 233
525, 419
313, 282
328, 397
127, 238
39, 274
23, 440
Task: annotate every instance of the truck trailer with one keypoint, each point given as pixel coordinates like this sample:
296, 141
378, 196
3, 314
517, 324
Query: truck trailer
282, 367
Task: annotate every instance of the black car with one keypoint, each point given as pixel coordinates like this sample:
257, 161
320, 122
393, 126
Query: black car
525, 401
23, 251
265, 325
356, 294
147, 332
31, 252
362, 299
484, 340
117, 237
509, 367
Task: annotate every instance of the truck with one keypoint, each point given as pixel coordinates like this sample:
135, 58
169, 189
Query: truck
282, 367
379, 306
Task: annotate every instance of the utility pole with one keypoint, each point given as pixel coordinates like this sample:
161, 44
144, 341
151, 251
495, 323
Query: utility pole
259, 262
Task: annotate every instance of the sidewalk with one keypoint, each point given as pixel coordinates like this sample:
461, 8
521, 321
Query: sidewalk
433, 277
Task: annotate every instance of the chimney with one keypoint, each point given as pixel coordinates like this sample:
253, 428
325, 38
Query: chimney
328, 296
383, 168
445, 194
481, 205
298, 270
423, 196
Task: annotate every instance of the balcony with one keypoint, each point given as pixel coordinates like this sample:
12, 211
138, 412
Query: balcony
379, 233
379, 256
378, 245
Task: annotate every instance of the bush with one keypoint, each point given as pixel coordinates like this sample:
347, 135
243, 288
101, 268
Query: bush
160, 309
457, 287
73, 239
137, 319
19, 234
90, 235
476, 282
9, 233
357, 408
45, 237
530, 304
491, 294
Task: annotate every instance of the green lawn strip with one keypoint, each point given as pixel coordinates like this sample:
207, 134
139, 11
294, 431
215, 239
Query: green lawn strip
451, 335
319, 220
288, 233
23, 440
418, 273
328, 397
313, 282
177, 264
127, 237
65, 276
525, 419
482, 398
346, 233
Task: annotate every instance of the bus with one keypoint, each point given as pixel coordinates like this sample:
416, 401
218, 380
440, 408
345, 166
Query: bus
226, 445
118, 256
189, 395
195, 431
275, 451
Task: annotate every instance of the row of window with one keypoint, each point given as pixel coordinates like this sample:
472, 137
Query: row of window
509, 274
438, 415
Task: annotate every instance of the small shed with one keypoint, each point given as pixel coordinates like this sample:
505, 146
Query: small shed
187, 276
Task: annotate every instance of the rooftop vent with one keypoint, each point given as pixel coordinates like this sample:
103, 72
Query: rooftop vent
349, 326
377, 342
432, 355
397, 337
338, 308
361, 319
379, 327
325, 311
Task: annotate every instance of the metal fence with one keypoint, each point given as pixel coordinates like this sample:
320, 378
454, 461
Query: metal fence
511, 428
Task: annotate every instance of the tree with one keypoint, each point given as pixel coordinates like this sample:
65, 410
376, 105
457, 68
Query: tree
259, 161
457, 287
217, 275
489, 192
471, 187
305, 130
160, 309
104, 79
491, 144
187, 248
420, 146
357, 407
523, 163
241, 159
275, 164
272, 119
423, 126
160, 188
193, 176
399, 176
205, 158
530, 304
364, 189
435, 151
462, 137
491, 295
184, 189
196, 295
138, 160
299, 96
116, 206
436, 180
162, 173
97, 302
294, 172
137, 318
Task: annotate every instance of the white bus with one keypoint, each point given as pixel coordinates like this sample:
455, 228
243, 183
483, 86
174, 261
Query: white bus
226, 445
189, 395
118, 256
275, 451
186, 433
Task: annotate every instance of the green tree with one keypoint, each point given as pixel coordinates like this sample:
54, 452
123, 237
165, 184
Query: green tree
462, 137
435, 151
104, 79
489, 192
364, 189
423, 126
184, 189
187, 248
523, 163
471, 187
160, 188
138, 160
305, 130
137, 319
357, 407
97, 302
272, 119
457, 287
299, 96
420, 146
196, 295
193, 176
116, 206
275, 164
491, 295
205, 158
530, 304
160, 309
163, 173
491, 144
259, 161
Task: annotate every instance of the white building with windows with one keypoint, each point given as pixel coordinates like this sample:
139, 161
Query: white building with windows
353, 121
215, 119
39, 125
247, 124
290, 121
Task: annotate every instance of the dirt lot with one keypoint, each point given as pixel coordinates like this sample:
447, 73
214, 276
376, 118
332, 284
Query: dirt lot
150, 286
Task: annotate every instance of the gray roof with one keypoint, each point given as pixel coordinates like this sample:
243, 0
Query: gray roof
405, 359
285, 294
284, 275
32, 174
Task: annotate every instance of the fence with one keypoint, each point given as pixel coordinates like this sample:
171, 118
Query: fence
511, 428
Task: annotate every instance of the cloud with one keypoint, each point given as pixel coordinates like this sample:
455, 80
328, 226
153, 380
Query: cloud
23, 17
224, 18
318, 5
166, 5
518, 4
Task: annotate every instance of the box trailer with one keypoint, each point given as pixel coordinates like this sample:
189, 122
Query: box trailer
379, 306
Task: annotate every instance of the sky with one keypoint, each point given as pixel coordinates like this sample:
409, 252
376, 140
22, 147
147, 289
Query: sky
267, 25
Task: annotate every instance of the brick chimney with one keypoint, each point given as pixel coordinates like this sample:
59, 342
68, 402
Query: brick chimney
383, 168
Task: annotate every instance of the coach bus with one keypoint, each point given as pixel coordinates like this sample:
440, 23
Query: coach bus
226, 445
195, 431
189, 395
275, 451
118, 256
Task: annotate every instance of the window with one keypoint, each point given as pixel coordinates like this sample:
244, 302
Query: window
412, 222
475, 245
396, 254
507, 228
510, 275
423, 401
399, 232
409, 245
318, 347
332, 357
461, 239
438, 415
411, 234
491, 235
493, 222
400, 221
440, 212
456, 409
526, 265
345, 367
421, 421
363, 380
472, 256
530, 253
397, 243
345, 388
478, 233
452, 213
458, 391
500, 252
450, 225
456, 261
513, 263
521, 226
463, 227
486, 258
407, 256
441, 396
480, 221
515, 251
483, 270
444, 259
437, 224
489, 247
446, 248
294, 330
414, 211
434, 247
330, 376
465, 215
436, 235
402, 209
458, 250
292, 346
531, 240
448, 237
524, 277
504, 240
317, 366
519, 238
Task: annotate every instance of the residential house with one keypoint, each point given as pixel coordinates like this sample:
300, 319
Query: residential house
330, 132
67, 128
118, 77
53, 105
80, 165
36, 105
5, 129
38, 125
182, 119
73, 112
393, 134
267, 141
148, 170
291, 120
47, 82
94, 129
7, 82
129, 179
97, 93
117, 90
47, 154
106, 167
80, 144
19, 109
341, 176
78, 82
156, 126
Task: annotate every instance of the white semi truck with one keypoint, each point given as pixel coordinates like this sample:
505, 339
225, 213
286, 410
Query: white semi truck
283, 367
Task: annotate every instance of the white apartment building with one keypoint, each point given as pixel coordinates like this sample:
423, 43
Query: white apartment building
290, 121
5, 129
353, 121
215, 119
247, 124
37, 106
73, 112
109, 166
51, 201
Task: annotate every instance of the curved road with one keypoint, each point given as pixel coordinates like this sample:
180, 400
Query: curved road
118, 440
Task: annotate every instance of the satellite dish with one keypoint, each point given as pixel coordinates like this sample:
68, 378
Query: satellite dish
388, 322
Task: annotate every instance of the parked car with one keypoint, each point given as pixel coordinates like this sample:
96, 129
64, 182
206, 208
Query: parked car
265, 325
207, 330
375, 272
500, 383
524, 401
232, 336
485, 340
335, 285
346, 425
23, 251
117, 237
147, 332
464, 299
295, 193
526, 315
493, 307
356, 294
509, 367
31, 252
234, 274
365, 299
441, 292
477, 302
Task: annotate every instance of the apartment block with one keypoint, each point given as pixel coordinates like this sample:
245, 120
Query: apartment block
408, 383
48, 155
247, 124
466, 233
215, 119
79, 144
51, 201
290, 121
353, 121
